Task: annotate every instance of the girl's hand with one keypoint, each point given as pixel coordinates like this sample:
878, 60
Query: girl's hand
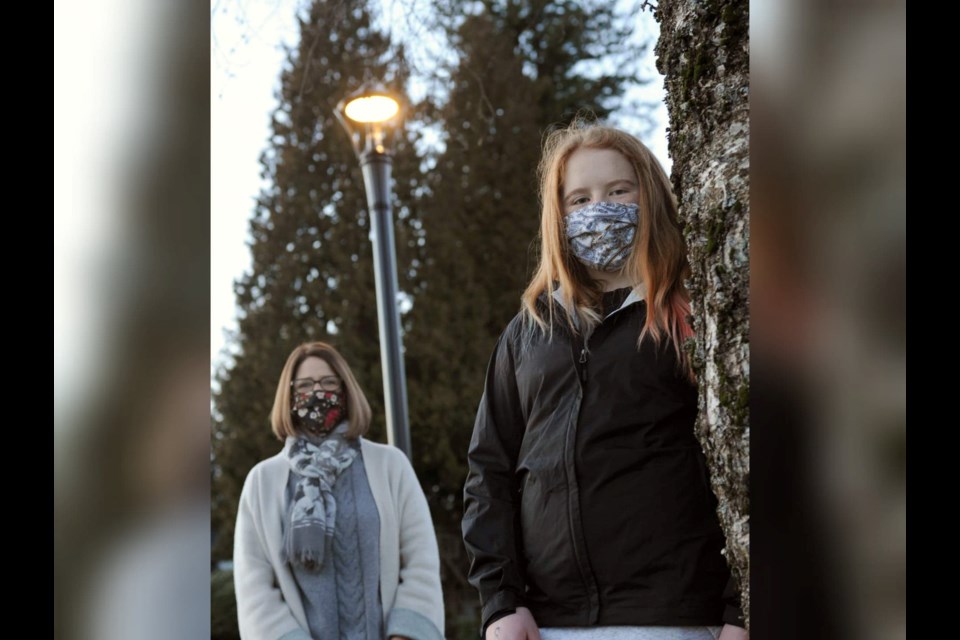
516, 626
731, 632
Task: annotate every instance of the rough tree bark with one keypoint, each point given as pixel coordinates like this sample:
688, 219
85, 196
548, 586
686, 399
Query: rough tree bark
703, 52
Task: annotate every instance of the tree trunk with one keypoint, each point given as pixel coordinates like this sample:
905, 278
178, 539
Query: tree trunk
704, 53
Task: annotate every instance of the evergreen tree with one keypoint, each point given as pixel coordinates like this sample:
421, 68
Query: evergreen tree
312, 273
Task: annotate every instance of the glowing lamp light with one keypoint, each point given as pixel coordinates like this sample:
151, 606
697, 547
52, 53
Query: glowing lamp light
368, 109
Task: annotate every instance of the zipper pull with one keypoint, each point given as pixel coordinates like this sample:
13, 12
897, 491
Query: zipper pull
583, 361
583, 356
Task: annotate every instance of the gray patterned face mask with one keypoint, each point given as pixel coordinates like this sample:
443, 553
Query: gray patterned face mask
601, 234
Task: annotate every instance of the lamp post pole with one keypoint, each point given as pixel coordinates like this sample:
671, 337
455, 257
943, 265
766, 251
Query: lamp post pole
377, 168
368, 133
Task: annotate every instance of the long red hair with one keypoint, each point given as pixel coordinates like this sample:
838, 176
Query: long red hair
658, 261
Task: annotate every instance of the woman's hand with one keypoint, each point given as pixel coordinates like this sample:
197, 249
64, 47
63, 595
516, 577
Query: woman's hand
516, 626
731, 632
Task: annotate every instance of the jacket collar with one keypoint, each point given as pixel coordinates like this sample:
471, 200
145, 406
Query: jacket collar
638, 294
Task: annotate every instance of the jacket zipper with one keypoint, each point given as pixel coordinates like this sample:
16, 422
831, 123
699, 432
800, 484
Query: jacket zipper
573, 512
586, 571
584, 354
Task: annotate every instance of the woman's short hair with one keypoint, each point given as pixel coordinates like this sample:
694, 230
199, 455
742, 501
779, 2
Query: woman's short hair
358, 409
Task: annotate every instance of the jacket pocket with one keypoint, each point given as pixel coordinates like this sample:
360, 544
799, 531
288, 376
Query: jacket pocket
544, 526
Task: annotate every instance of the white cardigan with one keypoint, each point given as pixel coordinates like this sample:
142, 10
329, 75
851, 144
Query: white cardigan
268, 600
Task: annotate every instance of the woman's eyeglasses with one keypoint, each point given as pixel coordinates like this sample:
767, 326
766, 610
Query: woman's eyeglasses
306, 385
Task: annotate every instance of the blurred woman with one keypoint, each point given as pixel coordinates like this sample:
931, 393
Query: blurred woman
334, 537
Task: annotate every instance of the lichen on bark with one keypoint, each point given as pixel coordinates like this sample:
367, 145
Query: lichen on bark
703, 52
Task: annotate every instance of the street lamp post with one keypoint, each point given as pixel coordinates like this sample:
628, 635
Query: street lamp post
369, 116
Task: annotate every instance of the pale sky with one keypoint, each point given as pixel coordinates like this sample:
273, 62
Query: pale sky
246, 59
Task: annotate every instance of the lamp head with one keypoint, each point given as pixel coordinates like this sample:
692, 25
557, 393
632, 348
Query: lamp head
370, 116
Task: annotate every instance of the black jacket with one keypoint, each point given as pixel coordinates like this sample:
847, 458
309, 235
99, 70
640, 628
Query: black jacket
588, 498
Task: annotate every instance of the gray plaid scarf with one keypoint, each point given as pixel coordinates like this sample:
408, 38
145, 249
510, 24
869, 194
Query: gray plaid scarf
312, 514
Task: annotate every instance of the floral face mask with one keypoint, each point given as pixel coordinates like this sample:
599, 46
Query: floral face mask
319, 411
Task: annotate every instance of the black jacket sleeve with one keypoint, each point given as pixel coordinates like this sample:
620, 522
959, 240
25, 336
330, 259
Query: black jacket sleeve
491, 530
